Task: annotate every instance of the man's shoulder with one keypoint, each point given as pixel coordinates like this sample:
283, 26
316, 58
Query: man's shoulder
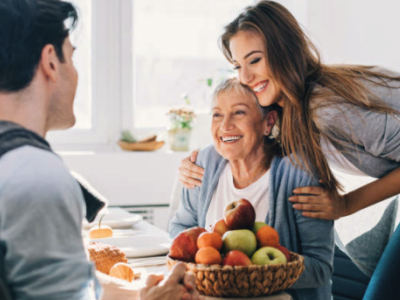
29, 156
29, 167
38, 178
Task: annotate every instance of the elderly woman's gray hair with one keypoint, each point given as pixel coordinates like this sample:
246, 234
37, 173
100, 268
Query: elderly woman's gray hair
233, 84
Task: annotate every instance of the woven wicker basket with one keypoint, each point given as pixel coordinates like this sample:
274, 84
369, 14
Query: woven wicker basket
240, 281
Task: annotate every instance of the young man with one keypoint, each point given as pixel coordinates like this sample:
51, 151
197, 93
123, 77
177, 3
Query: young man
41, 205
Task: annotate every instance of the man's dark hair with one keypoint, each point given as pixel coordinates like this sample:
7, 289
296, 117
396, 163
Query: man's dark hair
26, 27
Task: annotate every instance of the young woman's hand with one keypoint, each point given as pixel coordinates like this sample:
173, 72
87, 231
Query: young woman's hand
190, 174
178, 285
319, 203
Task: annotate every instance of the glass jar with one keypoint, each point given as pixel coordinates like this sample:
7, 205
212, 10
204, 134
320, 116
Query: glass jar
179, 139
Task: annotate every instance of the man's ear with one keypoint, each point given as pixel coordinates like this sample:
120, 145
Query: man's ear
269, 122
49, 62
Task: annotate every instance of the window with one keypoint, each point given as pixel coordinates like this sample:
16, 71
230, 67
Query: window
175, 51
97, 61
136, 58
81, 37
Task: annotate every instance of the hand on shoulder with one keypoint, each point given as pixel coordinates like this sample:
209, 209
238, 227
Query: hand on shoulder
190, 174
319, 203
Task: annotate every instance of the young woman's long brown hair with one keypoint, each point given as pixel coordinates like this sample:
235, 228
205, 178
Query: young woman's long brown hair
295, 64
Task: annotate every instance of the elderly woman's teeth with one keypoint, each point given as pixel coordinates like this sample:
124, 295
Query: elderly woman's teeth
231, 138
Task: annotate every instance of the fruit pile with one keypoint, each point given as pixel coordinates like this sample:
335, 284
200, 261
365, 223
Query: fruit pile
235, 240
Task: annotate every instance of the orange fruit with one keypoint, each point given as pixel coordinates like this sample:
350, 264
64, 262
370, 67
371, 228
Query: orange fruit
267, 236
208, 256
210, 239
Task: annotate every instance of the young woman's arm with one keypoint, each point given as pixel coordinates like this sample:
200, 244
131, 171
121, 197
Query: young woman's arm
374, 192
190, 174
377, 135
323, 205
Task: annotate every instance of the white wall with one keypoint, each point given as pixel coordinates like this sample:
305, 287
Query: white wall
299, 9
356, 31
129, 178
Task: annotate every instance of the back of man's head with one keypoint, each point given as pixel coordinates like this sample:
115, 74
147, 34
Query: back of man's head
26, 26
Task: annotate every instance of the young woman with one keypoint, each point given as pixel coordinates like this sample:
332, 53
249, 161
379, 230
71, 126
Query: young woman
245, 163
343, 116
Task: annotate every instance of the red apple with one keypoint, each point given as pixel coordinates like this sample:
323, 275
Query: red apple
240, 214
220, 227
236, 258
184, 246
285, 251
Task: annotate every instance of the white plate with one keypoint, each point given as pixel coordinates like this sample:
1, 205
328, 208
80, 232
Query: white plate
139, 245
115, 220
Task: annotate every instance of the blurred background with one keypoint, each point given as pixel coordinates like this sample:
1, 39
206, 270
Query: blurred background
137, 59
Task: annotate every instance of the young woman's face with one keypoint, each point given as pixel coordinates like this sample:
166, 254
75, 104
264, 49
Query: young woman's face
250, 61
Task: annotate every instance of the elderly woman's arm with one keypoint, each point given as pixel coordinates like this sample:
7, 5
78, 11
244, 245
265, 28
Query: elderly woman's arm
186, 215
317, 245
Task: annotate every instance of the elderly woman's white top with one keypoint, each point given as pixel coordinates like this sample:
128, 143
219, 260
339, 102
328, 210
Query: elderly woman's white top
226, 192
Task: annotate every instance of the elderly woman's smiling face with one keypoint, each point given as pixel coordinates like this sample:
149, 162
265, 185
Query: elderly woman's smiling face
237, 126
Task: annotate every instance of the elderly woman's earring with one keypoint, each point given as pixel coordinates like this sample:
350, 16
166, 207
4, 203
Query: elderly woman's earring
267, 132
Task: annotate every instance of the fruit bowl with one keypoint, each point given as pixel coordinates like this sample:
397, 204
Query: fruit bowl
244, 281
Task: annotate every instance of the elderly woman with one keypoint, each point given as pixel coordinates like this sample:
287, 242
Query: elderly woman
245, 162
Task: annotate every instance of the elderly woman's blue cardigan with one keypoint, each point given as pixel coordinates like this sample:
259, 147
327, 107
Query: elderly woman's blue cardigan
312, 238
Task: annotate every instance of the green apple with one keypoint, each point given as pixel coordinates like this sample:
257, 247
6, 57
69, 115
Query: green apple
258, 225
242, 240
268, 256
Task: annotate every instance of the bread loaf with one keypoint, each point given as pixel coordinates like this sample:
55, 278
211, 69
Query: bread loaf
105, 256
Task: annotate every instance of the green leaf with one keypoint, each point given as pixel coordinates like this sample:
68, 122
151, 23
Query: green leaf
126, 136
186, 98
209, 81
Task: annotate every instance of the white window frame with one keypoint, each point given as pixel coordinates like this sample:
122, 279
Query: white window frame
111, 80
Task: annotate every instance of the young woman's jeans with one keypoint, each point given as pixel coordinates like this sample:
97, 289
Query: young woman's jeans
385, 282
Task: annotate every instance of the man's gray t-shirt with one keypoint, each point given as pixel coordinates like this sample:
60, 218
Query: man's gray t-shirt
41, 213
